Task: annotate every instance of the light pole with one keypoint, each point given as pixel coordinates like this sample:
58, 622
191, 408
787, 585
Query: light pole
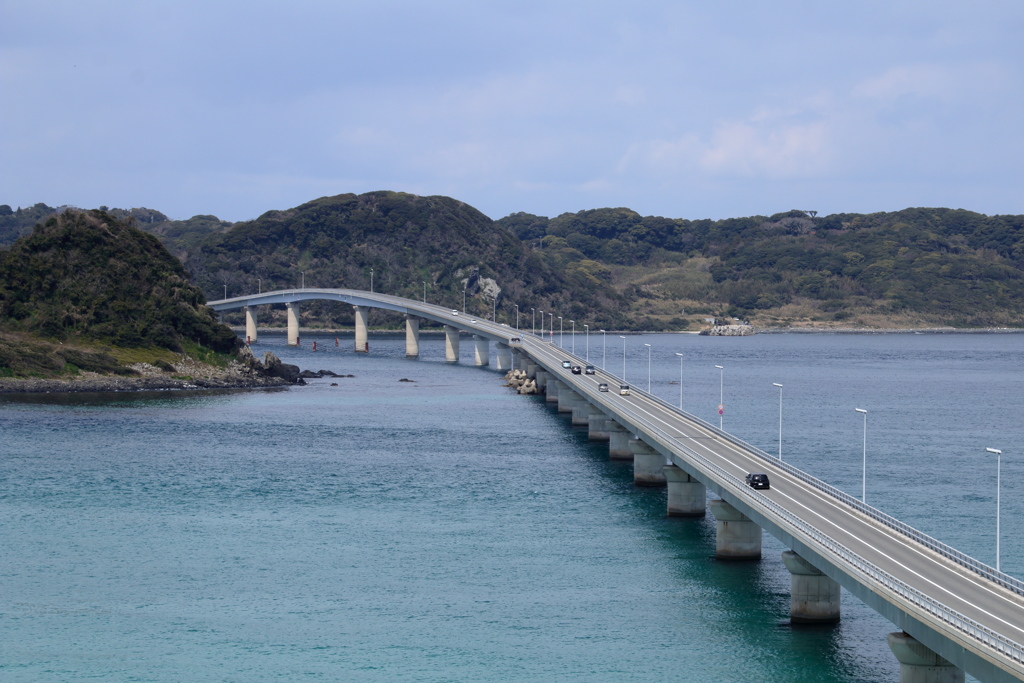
623, 357
259, 286
225, 290
551, 328
541, 326
648, 367
303, 279
776, 384
463, 301
604, 348
494, 309
424, 291
517, 317
587, 328
680, 380
371, 280
721, 394
535, 319
864, 465
573, 337
561, 337
999, 466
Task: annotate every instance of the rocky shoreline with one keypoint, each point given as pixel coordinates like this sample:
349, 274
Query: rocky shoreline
246, 372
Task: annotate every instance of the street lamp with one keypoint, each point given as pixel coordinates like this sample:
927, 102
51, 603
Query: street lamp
535, 319
541, 326
517, 317
721, 394
259, 286
587, 328
680, 380
604, 348
551, 328
371, 280
573, 337
463, 300
776, 384
864, 466
623, 357
225, 290
424, 291
648, 367
999, 465
561, 337
494, 309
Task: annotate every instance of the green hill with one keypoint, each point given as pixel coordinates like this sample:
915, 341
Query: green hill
89, 276
408, 241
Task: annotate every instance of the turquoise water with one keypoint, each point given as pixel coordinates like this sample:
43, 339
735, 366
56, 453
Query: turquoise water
449, 530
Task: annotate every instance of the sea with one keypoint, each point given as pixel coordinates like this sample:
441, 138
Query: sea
445, 528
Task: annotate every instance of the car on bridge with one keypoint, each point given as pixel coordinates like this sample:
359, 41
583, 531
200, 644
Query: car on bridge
577, 370
589, 370
623, 390
566, 364
758, 480
603, 386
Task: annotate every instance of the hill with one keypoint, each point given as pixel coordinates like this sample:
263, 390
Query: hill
88, 277
410, 243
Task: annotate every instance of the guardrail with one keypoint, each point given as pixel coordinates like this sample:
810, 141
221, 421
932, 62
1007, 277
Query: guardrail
958, 557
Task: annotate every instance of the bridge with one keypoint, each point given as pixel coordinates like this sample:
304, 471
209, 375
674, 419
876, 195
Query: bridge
955, 614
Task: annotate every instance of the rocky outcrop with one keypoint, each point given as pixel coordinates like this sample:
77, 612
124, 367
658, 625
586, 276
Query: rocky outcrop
523, 384
728, 331
275, 368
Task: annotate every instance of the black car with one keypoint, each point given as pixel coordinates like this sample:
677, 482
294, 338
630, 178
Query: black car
576, 370
758, 480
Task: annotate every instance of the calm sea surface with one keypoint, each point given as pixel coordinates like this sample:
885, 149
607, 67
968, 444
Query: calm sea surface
447, 529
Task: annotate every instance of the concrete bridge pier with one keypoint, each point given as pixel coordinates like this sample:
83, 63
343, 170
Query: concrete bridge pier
566, 396
518, 360
503, 357
412, 336
813, 597
618, 441
541, 379
362, 316
293, 323
648, 464
531, 369
481, 351
920, 664
451, 344
552, 390
687, 497
580, 410
596, 424
250, 325
736, 536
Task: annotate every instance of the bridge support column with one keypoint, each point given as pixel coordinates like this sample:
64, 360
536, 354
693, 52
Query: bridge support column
919, 664
736, 536
293, 323
451, 344
596, 429
541, 379
362, 314
503, 357
813, 597
618, 441
580, 410
565, 397
481, 350
412, 336
687, 497
552, 390
648, 464
250, 325
531, 369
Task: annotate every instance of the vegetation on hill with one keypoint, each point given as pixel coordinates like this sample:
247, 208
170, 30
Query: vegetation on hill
88, 276
410, 243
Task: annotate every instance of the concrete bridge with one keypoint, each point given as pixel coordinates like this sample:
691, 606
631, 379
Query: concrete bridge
955, 614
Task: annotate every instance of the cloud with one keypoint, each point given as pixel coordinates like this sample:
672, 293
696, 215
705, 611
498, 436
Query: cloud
932, 81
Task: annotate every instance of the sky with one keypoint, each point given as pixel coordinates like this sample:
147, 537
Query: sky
686, 109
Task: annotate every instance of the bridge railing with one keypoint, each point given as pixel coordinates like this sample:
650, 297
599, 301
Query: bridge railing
960, 558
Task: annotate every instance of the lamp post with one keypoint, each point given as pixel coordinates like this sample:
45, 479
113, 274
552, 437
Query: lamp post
371, 280
573, 337
225, 290
561, 337
587, 328
776, 384
864, 465
623, 357
517, 317
721, 394
303, 273
494, 309
680, 380
999, 466
259, 286
535, 319
604, 348
463, 301
541, 326
648, 367
551, 327
424, 291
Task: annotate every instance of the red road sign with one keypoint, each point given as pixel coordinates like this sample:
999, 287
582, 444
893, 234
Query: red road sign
721, 409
